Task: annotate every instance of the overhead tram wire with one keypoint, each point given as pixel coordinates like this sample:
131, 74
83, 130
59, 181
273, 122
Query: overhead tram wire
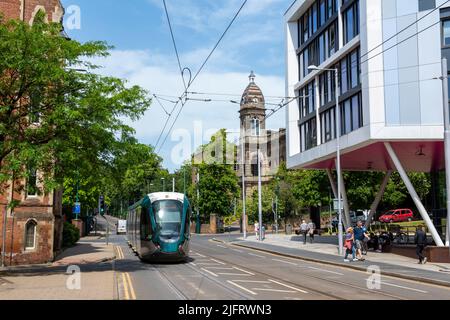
174, 44
282, 105
183, 103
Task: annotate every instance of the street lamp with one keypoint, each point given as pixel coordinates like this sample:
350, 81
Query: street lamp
338, 151
444, 79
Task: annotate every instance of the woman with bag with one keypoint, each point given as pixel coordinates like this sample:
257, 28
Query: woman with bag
349, 245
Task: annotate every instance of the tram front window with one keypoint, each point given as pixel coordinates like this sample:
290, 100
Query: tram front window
168, 218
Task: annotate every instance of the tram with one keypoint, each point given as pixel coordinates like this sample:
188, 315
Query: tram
158, 227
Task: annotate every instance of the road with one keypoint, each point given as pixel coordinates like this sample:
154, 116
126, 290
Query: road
217, 271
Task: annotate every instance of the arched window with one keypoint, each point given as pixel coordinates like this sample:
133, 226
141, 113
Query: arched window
30, 235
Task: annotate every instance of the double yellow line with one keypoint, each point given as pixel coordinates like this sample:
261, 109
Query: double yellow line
128, 287
120, 255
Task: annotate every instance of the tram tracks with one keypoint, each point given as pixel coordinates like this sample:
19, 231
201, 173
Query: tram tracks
317, 278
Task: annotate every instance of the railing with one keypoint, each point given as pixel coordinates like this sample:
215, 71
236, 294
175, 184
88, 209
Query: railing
404, 235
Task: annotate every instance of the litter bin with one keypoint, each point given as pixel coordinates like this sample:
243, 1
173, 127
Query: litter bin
288, 229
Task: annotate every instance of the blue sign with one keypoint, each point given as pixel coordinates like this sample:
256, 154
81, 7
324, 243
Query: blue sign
77, 208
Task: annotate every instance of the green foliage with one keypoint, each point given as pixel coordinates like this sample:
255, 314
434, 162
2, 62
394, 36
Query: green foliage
81, 114
218, 189
71, 235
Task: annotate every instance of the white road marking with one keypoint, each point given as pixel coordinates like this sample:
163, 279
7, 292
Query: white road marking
255, 255
221, 268
274, 290
219, 262
200, 255
251, 281
242, 288
222, 246
206, 264
402, 287
248, 272
284, 261
211, 273
323, 270
240, 251
235, 274
290, 287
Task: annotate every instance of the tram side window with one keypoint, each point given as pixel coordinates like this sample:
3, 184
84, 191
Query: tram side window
146, 229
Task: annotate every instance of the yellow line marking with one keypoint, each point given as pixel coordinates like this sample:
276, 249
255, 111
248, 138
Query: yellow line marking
133, 294
125, 287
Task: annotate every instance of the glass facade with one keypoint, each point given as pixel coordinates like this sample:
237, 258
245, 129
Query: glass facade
318, 30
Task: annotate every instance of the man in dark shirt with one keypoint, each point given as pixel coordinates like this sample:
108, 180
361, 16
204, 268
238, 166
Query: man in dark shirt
360, 234
421, 242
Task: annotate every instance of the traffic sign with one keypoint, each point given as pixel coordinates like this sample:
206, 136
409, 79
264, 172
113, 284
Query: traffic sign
336, 204
77, 208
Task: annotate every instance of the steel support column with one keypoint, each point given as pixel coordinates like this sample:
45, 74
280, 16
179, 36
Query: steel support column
423, 212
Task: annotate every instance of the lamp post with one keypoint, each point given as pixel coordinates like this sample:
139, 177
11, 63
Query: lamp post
444, 79
164, 184
338, 151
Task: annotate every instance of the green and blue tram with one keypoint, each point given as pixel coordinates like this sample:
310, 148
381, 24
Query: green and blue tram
158, 227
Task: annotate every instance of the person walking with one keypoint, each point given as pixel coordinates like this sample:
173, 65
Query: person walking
421, 242
360, 233
349, 245
311, 230
256, 229
304, 230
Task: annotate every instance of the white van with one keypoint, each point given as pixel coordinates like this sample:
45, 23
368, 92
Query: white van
122, 227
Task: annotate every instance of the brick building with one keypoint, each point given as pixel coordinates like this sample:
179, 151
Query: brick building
34, 229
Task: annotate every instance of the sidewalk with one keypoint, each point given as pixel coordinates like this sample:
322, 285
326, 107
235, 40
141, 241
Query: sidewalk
50, 282
390, 264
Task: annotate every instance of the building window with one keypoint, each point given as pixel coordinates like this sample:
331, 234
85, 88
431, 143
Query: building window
308, 135
349, 71
351, 22
255, 127
446, 33
307, 100
32, 189
427, 5
30, 235
351, 114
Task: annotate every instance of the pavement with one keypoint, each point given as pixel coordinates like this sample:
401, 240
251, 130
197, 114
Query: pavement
83, 272
324, 252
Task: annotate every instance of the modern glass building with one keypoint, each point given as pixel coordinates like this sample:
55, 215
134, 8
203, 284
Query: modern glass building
388, 54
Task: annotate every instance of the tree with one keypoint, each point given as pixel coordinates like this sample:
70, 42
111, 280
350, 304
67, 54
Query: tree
218, 188
53, 117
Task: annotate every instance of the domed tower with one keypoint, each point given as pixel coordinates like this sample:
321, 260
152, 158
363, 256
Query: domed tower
253, 133
253, 110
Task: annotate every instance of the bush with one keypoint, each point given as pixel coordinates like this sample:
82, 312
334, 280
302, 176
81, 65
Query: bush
71, 235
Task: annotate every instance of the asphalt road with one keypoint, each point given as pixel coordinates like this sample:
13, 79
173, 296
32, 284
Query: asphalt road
217, 271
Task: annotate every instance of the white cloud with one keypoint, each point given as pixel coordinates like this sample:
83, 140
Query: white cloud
159, 74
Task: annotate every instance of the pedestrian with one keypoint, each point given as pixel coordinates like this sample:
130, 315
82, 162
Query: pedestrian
360, 233
311, 230
256, 229
304, 230
421, 242
349, 245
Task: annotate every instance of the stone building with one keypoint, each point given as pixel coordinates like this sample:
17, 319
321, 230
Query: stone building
272, 144
32, 232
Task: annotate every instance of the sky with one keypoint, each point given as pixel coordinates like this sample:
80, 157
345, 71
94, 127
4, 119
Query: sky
143, 55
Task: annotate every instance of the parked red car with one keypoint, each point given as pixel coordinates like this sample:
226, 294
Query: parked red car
398, 215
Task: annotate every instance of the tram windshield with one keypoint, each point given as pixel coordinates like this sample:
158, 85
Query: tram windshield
168, 218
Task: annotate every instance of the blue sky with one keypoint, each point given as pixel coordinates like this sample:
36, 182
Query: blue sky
144, 55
